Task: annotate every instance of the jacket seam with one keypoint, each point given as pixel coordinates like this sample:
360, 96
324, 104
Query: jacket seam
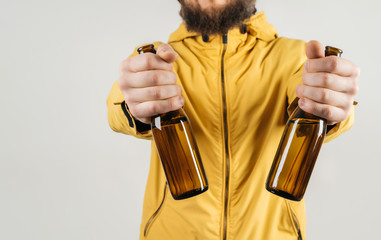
155, 214
297, 230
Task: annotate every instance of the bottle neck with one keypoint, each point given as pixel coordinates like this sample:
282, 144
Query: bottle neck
299, 113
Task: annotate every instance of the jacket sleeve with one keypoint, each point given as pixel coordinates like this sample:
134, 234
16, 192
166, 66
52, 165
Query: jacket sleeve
333, 131
119, 116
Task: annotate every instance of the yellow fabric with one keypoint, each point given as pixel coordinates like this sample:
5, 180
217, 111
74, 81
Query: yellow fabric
261, 73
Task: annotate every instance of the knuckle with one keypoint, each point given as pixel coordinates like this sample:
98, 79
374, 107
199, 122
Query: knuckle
165, 47
327, 112
122, 83
325, 95
326, 78
145, 120
333, 63
155, 78
154, 108
148, 61
155, 92
348, 106
134, 110
125, 65
127, 98
344, 114
311, 107
173, 104
162, 47
355, 89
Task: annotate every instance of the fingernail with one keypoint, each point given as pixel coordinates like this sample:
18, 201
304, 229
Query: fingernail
181, 101
306, 65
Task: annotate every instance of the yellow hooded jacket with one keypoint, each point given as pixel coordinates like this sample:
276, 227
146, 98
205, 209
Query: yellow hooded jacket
238, 91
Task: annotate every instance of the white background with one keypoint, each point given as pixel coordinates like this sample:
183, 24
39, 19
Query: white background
65, 175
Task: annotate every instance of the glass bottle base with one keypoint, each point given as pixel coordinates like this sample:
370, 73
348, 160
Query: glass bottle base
283, 194
191, 193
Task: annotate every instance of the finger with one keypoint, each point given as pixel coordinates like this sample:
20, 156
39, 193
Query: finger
324, 96
314, 49
330, 81
153, 93
332, 64
166, 52
145, 120
145, 62
331, 113
151, 78
153, 108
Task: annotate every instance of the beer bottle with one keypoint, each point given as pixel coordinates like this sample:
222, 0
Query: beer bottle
178, 150
297, 151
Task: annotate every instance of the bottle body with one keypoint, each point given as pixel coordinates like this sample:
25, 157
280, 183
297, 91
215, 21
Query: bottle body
296, 155
179, 154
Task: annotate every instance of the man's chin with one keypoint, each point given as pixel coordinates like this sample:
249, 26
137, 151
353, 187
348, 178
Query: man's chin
216, 19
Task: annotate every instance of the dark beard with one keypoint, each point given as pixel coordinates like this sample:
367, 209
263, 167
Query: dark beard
217, 21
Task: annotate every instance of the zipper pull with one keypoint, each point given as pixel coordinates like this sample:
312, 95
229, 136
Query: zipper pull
225, 38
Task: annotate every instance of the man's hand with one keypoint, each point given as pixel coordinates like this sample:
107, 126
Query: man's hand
329, 85
149, 85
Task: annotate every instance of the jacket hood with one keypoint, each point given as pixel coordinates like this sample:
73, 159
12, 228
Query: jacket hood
257, 26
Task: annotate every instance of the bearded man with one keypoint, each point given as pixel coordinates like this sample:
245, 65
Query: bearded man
238, 82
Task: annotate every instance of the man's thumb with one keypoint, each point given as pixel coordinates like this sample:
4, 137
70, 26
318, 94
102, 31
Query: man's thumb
166, 52
314, 49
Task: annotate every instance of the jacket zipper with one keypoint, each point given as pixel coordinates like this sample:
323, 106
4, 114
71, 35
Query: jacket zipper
154, 215
226, 137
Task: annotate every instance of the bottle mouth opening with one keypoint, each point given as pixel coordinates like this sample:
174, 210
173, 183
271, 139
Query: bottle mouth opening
332, 51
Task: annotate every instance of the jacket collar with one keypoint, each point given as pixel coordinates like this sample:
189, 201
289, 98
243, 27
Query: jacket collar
257, 26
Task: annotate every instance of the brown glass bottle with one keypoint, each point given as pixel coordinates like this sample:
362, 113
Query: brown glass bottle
178, 151
297, 151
